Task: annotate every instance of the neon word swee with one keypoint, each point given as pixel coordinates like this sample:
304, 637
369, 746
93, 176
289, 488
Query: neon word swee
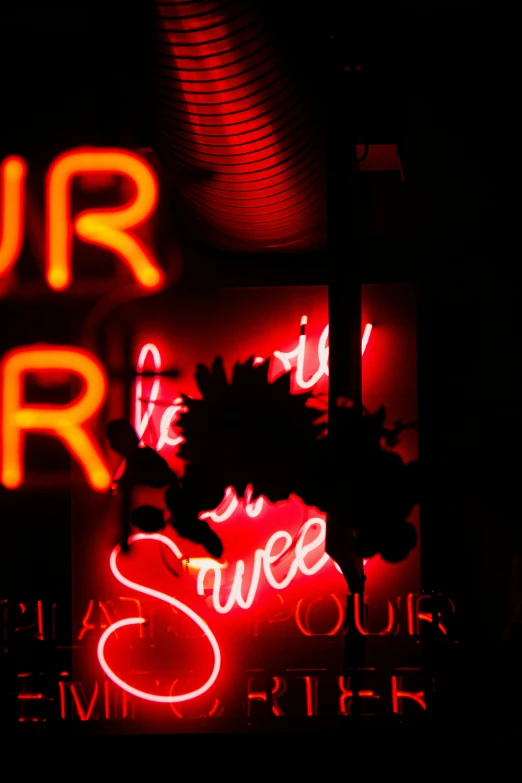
171, 699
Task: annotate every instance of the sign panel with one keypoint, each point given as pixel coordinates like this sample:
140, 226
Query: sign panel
166, 631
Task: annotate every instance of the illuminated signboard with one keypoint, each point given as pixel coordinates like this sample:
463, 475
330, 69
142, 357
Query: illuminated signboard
178, 633
110, 228
166, 632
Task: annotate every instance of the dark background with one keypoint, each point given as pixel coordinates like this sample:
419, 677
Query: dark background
81, 75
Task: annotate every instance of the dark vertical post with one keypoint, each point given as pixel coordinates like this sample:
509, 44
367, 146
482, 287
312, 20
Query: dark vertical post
344, 304
128, 377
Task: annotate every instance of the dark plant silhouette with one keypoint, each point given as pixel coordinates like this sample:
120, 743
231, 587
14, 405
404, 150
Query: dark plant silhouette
249, 431
142, 465
387, 488
145, 467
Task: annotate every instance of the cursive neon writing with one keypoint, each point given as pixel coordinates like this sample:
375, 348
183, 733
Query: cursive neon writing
171, 414
143, 418
264, 559
171, 699
299, 353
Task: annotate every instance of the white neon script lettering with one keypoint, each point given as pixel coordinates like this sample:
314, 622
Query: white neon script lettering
171, 414
299, 352
142, 418
137, 620
231, 502
264, 559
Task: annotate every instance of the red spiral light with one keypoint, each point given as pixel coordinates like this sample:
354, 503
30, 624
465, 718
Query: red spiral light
233, 113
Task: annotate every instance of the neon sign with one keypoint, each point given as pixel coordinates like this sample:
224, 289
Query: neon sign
12, 176
170, 416
110, 228
264, 561
142, 418
279, 546
68, 422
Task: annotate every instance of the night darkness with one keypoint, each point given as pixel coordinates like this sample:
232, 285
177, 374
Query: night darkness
84, 75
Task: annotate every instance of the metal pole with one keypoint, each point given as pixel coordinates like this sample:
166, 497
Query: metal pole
344, 304
128, 376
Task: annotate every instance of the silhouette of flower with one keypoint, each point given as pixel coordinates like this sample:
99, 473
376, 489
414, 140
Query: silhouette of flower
249, 431
246, 431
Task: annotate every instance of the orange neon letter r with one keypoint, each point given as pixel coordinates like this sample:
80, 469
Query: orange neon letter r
12, 175
65, 422
108, 228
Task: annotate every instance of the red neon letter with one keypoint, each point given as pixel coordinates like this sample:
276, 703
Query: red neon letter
413, 605
84, 713
108, 228
278, 689
311, 691
398, 693
359, 611
65, 422
304, 625
12, 175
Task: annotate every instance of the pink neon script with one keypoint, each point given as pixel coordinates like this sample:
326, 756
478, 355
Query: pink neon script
253, 509
299, 352
171, 414
264, 559
138, 620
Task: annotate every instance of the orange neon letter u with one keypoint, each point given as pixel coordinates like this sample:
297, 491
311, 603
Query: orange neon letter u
65, 422
12, 176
